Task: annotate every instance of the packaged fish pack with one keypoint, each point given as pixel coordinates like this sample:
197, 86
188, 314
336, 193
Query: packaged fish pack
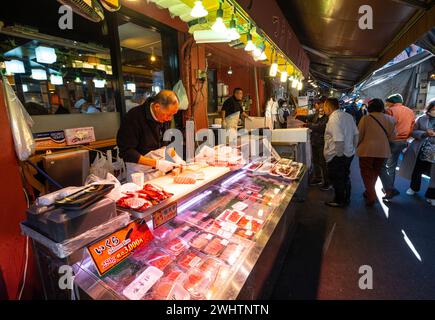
122, 275
163, 232
190, 259
169, 290
176, 246
159, 258
215, 246
199, 281
201, 240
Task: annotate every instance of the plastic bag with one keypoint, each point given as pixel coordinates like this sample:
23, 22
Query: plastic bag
119, 167
115, 194
182, 95
20, 122
99, 166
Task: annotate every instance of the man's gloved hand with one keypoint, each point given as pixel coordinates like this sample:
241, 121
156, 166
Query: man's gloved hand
165, 166
179, 160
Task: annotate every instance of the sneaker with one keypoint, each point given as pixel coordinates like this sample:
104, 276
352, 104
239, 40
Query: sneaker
334, 204
391, 194
325, 188
410, 192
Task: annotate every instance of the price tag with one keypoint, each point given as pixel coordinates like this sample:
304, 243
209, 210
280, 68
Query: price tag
140, 286
164, 215
113, 249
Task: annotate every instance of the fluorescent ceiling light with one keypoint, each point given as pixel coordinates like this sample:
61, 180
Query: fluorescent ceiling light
39, 74
131, 86
45, 55
209, 36
198, 11
14, 66
99, 83
56, 80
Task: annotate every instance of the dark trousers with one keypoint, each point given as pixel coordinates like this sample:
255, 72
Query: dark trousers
339, 175
388, 172
370, 170
421, 167
320, 170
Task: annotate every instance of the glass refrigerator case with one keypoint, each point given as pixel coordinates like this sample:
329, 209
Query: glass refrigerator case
209, 251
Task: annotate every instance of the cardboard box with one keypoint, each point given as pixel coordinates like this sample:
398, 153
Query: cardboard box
79, 135
48, 140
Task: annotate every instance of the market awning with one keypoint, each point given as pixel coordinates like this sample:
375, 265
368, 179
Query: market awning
387, 73
341, 53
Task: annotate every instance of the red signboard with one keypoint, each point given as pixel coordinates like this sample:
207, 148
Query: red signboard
113, 249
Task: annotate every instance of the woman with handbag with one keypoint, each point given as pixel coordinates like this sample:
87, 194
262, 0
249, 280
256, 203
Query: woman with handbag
419, 158
375, 132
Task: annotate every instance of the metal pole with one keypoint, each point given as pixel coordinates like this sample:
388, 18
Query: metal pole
256, 91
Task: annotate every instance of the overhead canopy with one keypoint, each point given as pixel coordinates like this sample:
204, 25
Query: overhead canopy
341, 53
387, 73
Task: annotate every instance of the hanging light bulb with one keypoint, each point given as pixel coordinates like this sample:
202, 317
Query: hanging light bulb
284, 75
295, 83
153, 57
198, 10
274, 67
233, 34
256, 53
300, 86
250, 46
230, 71
219, 25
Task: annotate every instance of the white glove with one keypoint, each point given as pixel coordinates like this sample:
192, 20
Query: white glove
165, 166
179, 160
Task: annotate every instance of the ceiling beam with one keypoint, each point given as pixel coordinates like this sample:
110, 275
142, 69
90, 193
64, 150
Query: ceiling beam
354, 58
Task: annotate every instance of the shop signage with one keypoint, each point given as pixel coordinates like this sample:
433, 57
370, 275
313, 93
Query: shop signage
164, 215
113, 249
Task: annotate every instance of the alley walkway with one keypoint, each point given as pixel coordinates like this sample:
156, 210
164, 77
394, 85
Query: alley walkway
331, 244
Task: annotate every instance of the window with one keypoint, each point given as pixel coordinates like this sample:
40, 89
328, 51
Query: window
142, 63
52, 77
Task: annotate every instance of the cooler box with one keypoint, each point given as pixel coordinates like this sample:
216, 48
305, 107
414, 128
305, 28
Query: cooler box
60, 224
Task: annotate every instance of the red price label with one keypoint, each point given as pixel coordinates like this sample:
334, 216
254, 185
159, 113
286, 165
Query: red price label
164, 215
110, 251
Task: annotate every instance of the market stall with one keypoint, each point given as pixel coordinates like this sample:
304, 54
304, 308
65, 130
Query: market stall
216, 236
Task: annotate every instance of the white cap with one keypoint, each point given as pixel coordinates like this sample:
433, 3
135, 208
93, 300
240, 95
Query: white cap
79, 103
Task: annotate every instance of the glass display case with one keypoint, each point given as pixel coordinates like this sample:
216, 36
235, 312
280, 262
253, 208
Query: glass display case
208, 251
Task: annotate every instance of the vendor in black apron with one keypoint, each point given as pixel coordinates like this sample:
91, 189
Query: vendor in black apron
140, 137
234, 104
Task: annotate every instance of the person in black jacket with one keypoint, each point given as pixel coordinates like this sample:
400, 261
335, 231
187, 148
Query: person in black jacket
317, 124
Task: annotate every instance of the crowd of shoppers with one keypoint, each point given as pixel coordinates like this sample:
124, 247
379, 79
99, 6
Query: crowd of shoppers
384, 133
